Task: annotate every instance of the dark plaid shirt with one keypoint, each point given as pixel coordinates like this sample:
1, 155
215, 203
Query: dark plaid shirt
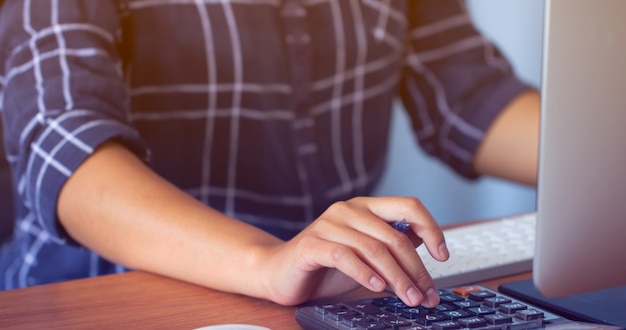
267, 110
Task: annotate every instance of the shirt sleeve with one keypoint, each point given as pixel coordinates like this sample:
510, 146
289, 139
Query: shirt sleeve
455, 82
61, 95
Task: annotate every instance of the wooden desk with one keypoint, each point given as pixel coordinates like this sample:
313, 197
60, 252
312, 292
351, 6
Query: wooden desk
137, 300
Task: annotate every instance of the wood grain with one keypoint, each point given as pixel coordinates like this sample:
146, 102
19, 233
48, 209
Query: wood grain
134, 300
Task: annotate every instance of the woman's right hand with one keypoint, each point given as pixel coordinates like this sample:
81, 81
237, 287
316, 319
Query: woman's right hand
352, 244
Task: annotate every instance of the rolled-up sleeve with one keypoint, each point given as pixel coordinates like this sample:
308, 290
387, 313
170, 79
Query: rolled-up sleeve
455, 82
62, 94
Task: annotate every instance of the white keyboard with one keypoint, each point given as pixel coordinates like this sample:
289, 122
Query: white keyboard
484, 250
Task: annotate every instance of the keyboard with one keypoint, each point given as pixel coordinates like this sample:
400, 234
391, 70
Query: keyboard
466, 307
484, 250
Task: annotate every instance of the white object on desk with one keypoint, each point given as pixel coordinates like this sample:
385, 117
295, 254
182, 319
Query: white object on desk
233, 327
484, 250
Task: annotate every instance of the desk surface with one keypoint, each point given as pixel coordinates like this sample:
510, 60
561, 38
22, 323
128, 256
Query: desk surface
142, 300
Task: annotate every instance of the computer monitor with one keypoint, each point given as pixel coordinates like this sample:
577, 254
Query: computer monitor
581, 195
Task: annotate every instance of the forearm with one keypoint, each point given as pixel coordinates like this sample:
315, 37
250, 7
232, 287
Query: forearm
116, 206
510, 149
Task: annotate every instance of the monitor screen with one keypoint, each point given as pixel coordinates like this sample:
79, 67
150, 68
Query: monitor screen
581, 196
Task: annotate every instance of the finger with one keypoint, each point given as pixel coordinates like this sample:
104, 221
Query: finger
421, 221
335, 255
403, 251
401, 246
397, 263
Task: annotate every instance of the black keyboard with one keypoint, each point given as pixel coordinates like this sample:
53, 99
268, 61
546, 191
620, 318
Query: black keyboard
466, 307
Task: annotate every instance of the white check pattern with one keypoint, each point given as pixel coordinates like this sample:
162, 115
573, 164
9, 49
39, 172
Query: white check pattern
267, 110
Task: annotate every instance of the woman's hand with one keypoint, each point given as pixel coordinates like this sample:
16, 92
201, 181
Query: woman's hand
352, 244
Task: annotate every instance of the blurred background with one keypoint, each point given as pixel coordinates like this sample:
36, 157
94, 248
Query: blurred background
515, 26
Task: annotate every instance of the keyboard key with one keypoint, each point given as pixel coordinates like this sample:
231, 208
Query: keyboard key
363, 308
324, 308
457, 314
496, 319
513, 307
446, 325
450, 298
466, 304
341, 314
396, 307
414, 327
371, 325
412, 313
529, 314
384, 301
441, 308
382, 315
481, 311
496, 301
472, 322
354, 321
466, 290
398, 322
429, 319
481, 295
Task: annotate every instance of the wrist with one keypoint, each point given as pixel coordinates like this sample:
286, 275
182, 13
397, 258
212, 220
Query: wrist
260, 271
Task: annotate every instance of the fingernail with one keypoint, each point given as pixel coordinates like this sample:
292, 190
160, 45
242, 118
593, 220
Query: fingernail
443, 251
376, 284
415, 297
432, 298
